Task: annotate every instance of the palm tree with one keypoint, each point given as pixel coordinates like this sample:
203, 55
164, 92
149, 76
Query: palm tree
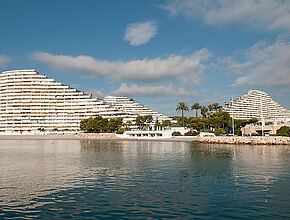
149, 120
210, 107
182, 107
216, 107
204, 111
195, 107
128, 125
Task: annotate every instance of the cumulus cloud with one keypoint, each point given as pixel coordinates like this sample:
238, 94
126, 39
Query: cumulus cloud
264, 64
149, 70
230, 65
151, 91
4, 60
140, 32
264, 15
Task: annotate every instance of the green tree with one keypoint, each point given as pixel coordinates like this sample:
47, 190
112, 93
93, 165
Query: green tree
204, 111
186, 121
127, 125
219, 131
176, 133
210, 107
147, 120
284, 131
166, 123
158, 125
87, 125
101, 125
140, 121
183, 108
144, 120
114, 125
253, 121
216, 107
195, 107
192, 133
215, 120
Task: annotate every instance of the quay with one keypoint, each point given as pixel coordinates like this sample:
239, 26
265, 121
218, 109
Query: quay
254, 140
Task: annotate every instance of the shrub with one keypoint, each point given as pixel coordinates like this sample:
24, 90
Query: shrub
219, 131
284, 131
100, 125
120, 131
176, 133
191, 133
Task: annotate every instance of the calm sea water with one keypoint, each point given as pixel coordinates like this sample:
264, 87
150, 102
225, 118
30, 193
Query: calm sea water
110, 179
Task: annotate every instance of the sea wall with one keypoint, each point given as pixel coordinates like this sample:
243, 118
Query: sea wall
265, 140
96, 135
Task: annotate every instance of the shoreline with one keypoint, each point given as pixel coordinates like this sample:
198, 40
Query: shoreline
39, 137
75, 137
236, 140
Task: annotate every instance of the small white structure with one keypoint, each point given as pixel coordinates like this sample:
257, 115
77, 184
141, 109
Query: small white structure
182, 130
206, 134
166, 133
146, 134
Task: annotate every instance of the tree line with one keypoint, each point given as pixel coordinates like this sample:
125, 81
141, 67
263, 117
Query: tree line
204, 110
144, 122
213, 119
103, 125
99, 124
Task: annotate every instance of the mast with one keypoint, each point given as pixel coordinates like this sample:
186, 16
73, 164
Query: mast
262, 120
233, 120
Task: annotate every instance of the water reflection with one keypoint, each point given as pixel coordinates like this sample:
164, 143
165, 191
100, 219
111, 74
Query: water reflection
149, 179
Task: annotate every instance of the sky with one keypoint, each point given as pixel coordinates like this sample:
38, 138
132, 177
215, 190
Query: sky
157, 52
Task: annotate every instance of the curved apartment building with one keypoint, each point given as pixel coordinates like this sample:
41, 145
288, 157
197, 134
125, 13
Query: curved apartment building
133, 108
256, 104
31, 102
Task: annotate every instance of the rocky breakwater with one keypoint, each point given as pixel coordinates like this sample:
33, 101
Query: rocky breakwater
96, 135
257, 140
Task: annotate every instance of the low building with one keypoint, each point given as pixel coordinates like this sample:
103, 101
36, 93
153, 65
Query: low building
263, 129
147, 134
165, 133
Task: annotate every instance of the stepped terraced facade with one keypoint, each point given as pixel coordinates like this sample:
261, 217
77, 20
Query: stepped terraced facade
257, 104
31, 102
133, 108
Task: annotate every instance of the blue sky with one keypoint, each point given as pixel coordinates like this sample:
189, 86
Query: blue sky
158, 52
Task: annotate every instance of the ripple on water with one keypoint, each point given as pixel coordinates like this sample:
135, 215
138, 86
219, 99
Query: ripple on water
74, 179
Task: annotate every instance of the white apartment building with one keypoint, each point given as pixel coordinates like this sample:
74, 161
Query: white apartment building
30, 102
134, 109
257, 104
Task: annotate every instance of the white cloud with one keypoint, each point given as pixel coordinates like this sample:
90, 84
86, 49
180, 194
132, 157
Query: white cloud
150, 70
232, 66
140, 32
265, 65
262, 14
4, 60
151, 91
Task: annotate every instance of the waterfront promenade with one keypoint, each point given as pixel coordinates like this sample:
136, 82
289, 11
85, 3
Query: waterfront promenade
253, 140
